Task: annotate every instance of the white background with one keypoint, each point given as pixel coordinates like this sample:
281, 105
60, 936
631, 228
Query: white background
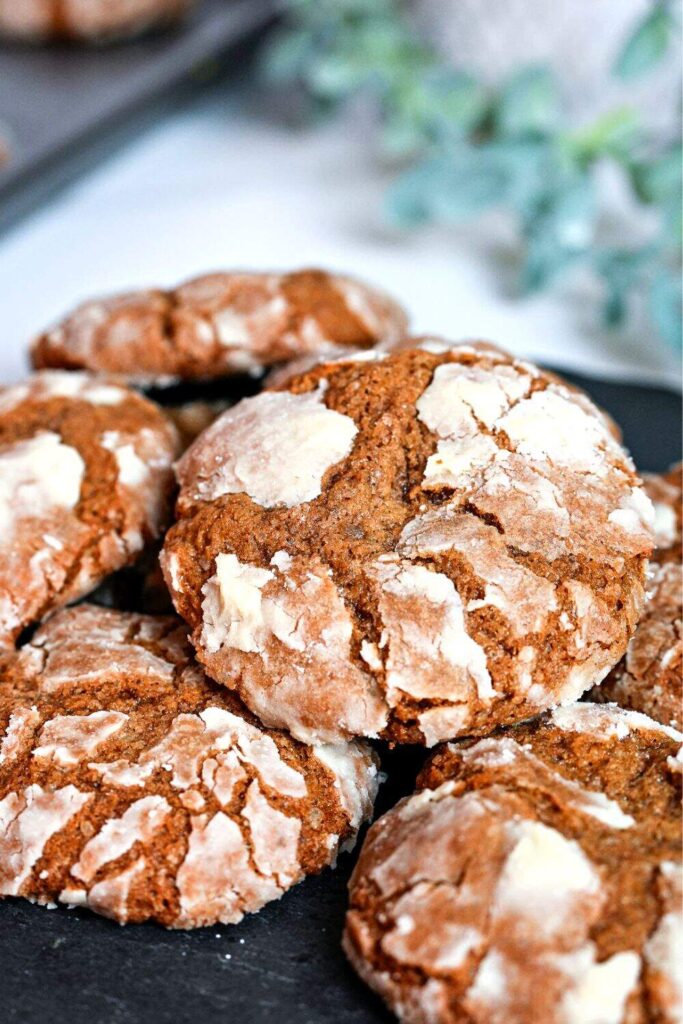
217, 186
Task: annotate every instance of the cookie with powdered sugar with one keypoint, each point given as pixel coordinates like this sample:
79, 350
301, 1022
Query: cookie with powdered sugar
85, 482
649, 677
534, 877
131, 784
220, 324
93, 20
416, 547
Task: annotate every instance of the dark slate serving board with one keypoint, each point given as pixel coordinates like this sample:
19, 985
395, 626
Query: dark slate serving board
280, 966
65, 106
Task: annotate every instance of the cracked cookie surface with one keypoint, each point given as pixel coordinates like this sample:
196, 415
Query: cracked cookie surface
220, 324
534, 877
649, 677
418, 547
85, 482
131, 784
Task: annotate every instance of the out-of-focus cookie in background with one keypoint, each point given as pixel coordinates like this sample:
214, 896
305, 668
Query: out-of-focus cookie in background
87, 20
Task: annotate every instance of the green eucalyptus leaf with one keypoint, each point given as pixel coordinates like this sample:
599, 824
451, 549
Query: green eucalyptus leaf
334, 77
658, 180
408, 201
449, 189
665, 300
433, 110
286, 58
449, 103
388, 53
647, 45
560, 235
531, 174
510, 149
401, 137
476, 180
671, 219
529, 103
544, 261
620, 271
613, 134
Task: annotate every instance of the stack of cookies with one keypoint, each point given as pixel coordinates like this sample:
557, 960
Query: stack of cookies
387, 541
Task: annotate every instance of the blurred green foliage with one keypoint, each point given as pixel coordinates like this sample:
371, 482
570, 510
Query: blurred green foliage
465, 148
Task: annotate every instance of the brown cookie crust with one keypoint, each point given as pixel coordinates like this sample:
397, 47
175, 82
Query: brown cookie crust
86, 19
131, 784
534, 876
649, 678
86, 481
421, 546
220, 324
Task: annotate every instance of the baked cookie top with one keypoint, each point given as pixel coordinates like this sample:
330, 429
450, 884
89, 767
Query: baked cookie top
131, 784
85, 19
649, 677
415, 547
666, 492
85, 482
220, 324
535, 877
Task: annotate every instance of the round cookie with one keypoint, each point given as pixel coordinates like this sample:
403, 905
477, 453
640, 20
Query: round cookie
85, 482
92, 20
220, 324
132, 785
417, 547
535, 877
649, 677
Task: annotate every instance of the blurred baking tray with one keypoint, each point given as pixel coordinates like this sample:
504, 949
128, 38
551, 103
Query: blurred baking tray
63, 107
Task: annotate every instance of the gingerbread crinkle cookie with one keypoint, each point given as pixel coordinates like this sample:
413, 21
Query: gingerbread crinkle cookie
132, 785
416, 547
220, 324
85, 482
534, 877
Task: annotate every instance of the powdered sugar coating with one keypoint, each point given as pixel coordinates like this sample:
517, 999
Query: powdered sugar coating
294, 622
28, 820
245, 449
480, 545
508, 892
664, 947
19, 734
41, 483
495, 752
68, 739
427, 650
523, 597
137, 825
220, 324
165, 797
649, 678
56, 384
67, 520
605, 722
